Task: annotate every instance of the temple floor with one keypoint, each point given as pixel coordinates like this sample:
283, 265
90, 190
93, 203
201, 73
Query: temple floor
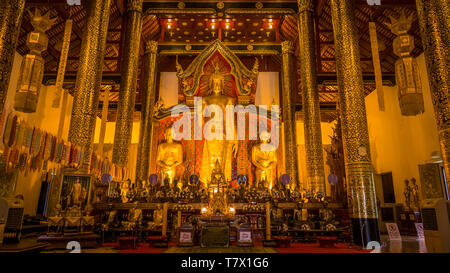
409, 244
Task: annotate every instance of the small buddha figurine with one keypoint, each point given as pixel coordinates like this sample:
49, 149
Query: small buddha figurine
158, 215
77, 193
264, 157
297, 215
169, 156
111, 220
135, 215
88, 210
415, 193
144, 190
58, 210
125, 191
407, 194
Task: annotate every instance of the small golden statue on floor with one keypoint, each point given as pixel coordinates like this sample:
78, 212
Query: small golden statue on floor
125, 191
134, 218
264, 157
218, 200
169, 156
157, 218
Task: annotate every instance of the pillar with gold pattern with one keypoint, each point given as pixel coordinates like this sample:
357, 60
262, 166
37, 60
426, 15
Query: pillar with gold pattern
355, 131
311, 107
288, 100
148, 101
89, 77
11, 12
128, 82
434, 21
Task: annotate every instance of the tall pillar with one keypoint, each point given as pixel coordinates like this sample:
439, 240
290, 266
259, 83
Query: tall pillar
128, 82
288, 99
355, 131
434, 21
11, 12
148, 101
89, 78
311, 107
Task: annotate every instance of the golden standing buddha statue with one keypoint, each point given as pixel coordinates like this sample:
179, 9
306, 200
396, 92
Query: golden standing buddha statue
265, 160
169, 156
217, 149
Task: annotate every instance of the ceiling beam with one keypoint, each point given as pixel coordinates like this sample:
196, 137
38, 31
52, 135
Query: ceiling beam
66, 16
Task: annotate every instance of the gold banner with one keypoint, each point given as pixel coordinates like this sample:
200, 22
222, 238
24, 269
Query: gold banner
376, 65
62, 63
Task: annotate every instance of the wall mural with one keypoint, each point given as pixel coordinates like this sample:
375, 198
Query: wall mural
431, 181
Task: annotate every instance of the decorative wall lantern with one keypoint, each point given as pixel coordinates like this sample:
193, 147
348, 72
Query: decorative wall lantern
406, 68
32, 69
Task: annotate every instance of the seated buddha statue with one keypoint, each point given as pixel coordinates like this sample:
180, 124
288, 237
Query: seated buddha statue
157, 218
169, 156
264, 157
135, 215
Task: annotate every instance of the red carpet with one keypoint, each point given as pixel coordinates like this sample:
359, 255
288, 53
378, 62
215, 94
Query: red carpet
314, 248
141, 248
295, 248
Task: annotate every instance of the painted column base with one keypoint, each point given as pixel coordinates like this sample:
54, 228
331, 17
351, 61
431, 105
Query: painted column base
367, 229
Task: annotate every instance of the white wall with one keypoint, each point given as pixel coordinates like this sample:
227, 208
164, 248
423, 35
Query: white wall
400, 143
168, 88
45, 118
267, 89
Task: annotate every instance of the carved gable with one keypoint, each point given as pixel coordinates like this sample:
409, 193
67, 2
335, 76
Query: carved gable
239, 81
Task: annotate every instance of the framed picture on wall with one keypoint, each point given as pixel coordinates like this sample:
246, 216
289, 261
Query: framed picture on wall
432, 181
75, 191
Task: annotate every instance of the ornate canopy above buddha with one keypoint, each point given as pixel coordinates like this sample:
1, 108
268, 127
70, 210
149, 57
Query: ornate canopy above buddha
218, 62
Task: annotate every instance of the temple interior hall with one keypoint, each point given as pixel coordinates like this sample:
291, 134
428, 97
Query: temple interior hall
253, 126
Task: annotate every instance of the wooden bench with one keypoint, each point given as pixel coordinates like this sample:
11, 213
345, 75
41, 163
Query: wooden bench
283, 241
157, 241
127, 242
326, 241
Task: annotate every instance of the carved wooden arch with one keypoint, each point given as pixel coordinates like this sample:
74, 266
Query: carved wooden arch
239, 81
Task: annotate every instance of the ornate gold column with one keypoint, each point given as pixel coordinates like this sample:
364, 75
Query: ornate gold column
434, 21
148, 101
355, 132
11, 12
288, 99
311, 107
89, 77
129, 75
